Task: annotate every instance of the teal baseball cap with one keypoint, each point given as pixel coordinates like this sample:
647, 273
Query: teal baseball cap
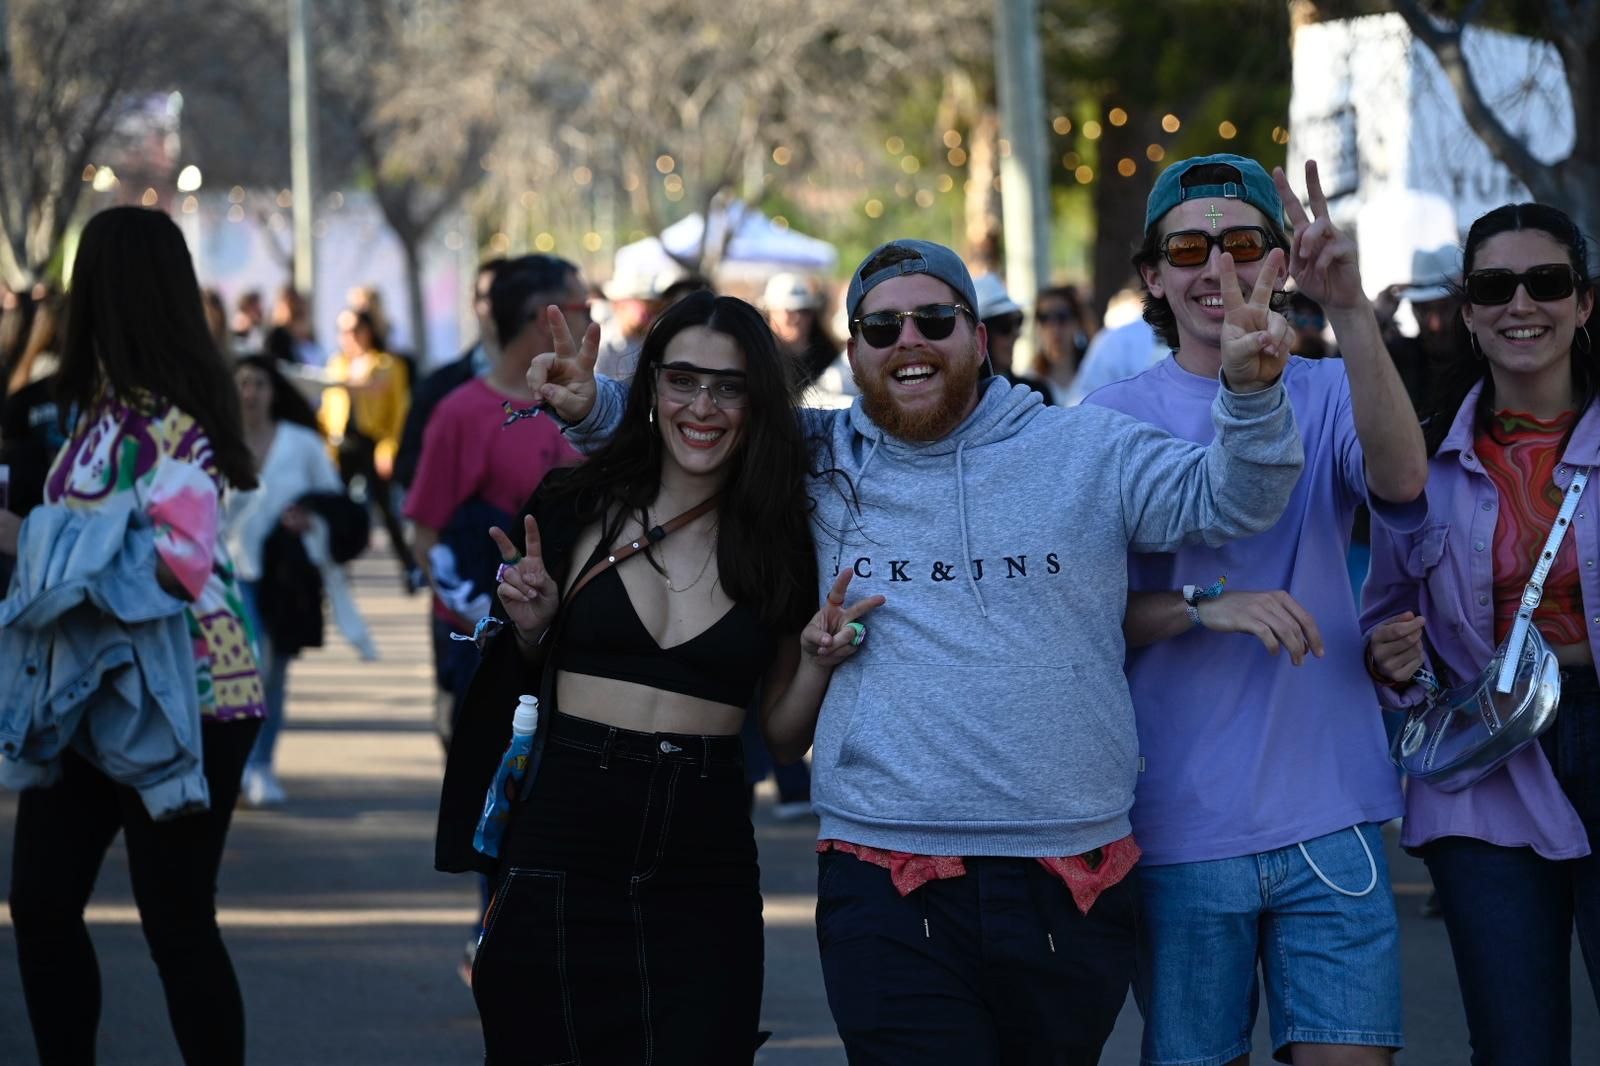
1248, 181
926, 257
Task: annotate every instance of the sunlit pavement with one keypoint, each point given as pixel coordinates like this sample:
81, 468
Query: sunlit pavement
347, 942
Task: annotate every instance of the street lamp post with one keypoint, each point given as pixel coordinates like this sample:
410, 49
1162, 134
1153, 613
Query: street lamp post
1025, 195
303, 150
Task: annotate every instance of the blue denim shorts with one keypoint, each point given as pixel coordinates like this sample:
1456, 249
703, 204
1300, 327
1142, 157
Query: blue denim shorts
1317, 917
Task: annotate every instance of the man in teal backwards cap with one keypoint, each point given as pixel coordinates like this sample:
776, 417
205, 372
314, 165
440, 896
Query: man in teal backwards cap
1264, 774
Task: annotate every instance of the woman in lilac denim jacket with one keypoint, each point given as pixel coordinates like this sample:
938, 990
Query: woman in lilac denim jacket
1512, 856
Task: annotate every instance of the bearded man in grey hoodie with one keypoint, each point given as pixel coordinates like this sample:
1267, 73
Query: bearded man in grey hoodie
974, 760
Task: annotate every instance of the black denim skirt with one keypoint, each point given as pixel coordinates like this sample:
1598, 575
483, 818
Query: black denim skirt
626, 920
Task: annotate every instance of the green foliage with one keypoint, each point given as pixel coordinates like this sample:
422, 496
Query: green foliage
1202, 62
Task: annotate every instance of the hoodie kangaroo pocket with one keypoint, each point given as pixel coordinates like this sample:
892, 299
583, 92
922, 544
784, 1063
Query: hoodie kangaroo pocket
986, 745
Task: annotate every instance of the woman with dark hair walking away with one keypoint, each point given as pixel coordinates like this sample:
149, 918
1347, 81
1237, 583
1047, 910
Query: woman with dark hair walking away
278, 529
664, 583
156, 432
1512, 424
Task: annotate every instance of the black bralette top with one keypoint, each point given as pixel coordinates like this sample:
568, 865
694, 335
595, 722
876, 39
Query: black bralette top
603, 637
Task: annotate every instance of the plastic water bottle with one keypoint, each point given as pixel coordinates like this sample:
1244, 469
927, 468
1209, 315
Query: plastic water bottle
502, 793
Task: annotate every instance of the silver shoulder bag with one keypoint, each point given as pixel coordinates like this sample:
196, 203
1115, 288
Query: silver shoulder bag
1462, 734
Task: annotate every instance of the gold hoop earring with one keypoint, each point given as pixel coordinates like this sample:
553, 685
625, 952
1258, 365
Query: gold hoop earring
652, 416
1588, 343
1477, 349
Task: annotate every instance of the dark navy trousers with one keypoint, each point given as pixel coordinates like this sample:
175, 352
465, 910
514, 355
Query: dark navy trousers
995, 967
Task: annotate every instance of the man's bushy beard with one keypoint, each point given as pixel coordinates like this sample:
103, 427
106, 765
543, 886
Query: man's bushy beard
959, 380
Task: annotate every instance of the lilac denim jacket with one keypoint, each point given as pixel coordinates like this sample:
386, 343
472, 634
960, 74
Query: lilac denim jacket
1444, 571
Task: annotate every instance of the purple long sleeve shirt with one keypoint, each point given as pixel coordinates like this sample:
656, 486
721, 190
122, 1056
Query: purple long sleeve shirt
1444, 571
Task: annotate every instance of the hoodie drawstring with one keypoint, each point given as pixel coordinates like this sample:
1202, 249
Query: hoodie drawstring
838, 533
966, 542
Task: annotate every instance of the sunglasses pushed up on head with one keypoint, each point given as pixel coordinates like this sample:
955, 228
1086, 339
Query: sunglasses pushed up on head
934, 321
1551, 281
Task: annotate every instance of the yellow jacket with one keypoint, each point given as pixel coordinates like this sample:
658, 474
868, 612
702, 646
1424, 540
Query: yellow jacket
372, 400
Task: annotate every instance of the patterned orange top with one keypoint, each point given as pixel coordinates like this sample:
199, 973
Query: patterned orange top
1520, 454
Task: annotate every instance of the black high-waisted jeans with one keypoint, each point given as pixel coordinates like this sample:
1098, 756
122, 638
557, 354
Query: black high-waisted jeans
626, 920
62, 835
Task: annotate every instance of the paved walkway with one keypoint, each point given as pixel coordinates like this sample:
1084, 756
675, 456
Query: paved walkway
346, 940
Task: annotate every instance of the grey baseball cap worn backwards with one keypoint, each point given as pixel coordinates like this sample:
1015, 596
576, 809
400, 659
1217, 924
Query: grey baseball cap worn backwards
1248, 182
934, 260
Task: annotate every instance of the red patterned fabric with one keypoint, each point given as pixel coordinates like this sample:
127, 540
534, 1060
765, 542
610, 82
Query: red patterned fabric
1520, 454
908, 872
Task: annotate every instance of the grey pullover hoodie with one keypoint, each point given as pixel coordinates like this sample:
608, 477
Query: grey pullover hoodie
987, 713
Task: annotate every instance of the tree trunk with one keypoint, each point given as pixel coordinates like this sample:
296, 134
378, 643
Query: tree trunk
410, 245
984, 233
1119, 206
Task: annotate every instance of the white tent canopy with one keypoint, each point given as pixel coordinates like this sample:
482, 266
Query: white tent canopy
754, 245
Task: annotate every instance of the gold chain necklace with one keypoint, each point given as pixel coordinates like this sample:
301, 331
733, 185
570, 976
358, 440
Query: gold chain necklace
666, 575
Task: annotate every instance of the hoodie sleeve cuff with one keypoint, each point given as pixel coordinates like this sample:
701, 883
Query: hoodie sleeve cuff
598, 426
1250, 405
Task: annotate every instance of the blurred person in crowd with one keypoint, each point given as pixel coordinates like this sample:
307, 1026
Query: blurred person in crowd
16, 321
974, 866
30, 423
248, 324
476, 471
155, 430
217, 321
1434, 294
292, 338
30, 419
472, 363
1510, 423
1002, 317
680, 287
276, 534
1267, 754
1117, 353
794, 310
1310, 324
632, 301
659, 587
363, 414
1065, 329
368, 298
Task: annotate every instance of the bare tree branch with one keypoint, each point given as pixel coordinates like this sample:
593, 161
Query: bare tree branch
1444, 39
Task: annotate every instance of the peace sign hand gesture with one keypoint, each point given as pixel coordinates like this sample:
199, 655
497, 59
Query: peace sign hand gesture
526, 588
835, 632
1256, 340
1322, 260
564, 378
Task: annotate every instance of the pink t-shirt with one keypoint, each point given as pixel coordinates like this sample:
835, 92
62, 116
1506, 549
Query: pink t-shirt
467, 452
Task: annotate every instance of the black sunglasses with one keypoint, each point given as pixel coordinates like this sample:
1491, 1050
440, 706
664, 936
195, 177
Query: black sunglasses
1192, 247
1005, 324
934, 321
1551, 281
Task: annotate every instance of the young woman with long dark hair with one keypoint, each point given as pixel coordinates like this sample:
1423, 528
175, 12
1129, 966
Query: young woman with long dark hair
626, 922
292, 464
157, 423
1512, 855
